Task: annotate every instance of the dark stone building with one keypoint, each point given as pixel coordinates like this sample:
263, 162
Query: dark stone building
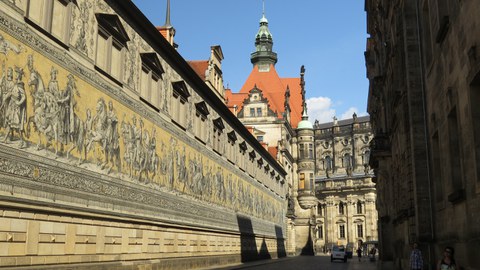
423, 64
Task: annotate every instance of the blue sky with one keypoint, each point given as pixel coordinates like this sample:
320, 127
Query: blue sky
328, 37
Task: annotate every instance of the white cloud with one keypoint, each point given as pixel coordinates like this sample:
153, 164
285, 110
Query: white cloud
349, 113
320, 108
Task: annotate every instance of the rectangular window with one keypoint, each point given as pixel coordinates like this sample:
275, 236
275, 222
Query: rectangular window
301, 181
301, 148
60, 20
111, 41
52, 16
259, 111
319, 210
102, 51
342, 231
116, 62
310, 150
320, 232
360, 230
252, 112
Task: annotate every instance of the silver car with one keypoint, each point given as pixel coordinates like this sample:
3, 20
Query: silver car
338, 253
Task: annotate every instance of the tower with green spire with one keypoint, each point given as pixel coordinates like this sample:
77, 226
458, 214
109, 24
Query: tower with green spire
264, 56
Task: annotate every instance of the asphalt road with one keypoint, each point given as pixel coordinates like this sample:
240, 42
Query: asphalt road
307, 263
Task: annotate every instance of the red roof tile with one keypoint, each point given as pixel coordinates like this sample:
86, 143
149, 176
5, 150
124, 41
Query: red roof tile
200, 66
273, 150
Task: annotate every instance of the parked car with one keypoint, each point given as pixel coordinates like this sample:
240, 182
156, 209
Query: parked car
338, 253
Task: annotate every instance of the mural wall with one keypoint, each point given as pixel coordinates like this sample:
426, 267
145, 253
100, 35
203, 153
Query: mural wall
69, 138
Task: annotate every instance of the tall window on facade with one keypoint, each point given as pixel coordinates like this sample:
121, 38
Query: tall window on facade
242, 150
259, 111
200, 121
179, 103
150, 84
328, 163
301, 149
301, 181
366, 157
52, 16
341, 230
341, 208
111, 41
310, 150
232, 138
360, 230
347, 161
359, 208
218, 128
320, 232
319, 210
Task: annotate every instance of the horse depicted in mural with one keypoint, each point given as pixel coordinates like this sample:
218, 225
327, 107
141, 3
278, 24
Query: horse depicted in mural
45, 107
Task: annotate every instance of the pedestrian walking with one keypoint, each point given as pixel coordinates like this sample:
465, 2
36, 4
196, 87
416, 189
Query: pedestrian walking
448, 260
416, 259
359, 254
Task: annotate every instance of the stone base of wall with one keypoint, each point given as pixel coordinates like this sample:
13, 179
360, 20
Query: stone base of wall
160, 264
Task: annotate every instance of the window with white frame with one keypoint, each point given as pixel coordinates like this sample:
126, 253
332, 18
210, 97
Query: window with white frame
53, 16
180, 96
341, 231
111, 42
150, 84
200, 121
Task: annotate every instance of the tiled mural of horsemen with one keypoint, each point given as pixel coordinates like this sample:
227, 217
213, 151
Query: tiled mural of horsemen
50, 112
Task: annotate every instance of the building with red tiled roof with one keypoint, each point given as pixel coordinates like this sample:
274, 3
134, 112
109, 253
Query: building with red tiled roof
211, 71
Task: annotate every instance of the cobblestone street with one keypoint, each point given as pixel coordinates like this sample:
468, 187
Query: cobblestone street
307, 263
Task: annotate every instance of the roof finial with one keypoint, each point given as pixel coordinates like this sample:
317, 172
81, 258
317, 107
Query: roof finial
263, 11
302, 86
167, 19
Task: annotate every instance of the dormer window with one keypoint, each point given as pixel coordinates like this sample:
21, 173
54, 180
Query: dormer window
52, 17
150, 84
111, 43
179, 103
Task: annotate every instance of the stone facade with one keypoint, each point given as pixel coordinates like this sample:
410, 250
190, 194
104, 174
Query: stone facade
326, 164
346, 212
114, 149
423, 65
